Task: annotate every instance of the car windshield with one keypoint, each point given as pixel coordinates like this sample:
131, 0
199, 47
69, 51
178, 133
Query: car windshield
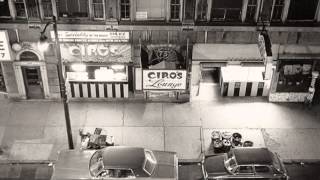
230, 162
150, 162
96, 166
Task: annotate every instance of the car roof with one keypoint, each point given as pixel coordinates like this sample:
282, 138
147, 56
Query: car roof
250, 155
123, 157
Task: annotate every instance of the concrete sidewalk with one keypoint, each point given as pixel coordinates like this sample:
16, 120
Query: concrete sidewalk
35, 130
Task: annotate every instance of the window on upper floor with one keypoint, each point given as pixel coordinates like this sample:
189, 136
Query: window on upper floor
98, 9
47, 8
272, 10
277, 10
251, 10
175, 10
226, 10
202, 10
125, 9
4, 8
150, 10
72, 8
302, 10
32, 9
20, 9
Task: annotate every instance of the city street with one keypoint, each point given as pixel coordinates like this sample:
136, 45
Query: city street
39, 126
297, 171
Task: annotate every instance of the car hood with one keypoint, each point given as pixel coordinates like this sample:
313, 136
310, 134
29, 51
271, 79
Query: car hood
72, 164
167, 165
214, 165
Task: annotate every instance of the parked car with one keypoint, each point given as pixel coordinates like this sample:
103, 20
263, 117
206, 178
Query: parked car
116, 162
245, 163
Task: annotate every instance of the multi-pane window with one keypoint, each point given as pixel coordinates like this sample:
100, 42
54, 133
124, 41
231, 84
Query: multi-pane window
47, 8
277, 10
97, 6
302, 9
125, 9
251, 10
226, 10
202, 10
32, 8
20, 9
72, 8
175, 9
4, 8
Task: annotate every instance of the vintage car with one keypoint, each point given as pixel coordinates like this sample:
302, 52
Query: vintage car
244, 163
116, 162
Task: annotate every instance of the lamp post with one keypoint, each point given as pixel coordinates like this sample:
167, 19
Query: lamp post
63, 94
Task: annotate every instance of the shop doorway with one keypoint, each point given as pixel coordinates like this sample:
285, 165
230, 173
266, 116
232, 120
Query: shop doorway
33, 82
210, 75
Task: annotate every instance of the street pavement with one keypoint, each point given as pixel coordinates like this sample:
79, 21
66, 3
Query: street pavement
34, 131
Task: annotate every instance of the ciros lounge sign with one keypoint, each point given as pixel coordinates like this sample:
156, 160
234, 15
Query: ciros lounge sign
164, 79
91, 36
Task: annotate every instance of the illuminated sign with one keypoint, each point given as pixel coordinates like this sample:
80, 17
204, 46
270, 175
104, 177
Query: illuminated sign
96, 52
164, 79
4, 47
91, 36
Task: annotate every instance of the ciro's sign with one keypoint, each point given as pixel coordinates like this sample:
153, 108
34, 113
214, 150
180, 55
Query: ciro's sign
164, 79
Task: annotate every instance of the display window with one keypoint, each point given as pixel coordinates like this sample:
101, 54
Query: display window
294, 76
107, 73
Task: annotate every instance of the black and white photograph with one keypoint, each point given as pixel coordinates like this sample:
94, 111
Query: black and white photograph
159, 89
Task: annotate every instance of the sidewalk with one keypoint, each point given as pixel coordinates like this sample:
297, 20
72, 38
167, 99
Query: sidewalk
35, 130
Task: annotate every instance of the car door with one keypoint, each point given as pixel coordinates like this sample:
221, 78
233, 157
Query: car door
242, 172
262, 171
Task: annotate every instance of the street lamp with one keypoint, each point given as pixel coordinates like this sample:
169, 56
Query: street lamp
43, 45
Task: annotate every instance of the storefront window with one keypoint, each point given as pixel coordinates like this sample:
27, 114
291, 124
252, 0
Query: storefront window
110, 73
72, 8
2, 84
294, 77
4, 8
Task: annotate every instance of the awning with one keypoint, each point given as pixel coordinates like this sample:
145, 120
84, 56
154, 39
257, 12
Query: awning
226, 52
299, 52
242, 74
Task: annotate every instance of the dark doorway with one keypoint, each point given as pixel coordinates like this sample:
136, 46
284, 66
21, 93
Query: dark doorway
210, 75
33, 82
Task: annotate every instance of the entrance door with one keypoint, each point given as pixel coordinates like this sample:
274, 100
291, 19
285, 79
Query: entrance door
33, 82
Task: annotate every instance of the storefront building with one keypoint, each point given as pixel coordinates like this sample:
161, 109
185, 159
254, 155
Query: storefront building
241, 69
97, 64
296, 73
163, 73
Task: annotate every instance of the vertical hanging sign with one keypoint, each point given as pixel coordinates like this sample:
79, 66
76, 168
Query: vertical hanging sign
4, 47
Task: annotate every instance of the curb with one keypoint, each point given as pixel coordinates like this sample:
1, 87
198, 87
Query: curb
301, 161
26, 162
